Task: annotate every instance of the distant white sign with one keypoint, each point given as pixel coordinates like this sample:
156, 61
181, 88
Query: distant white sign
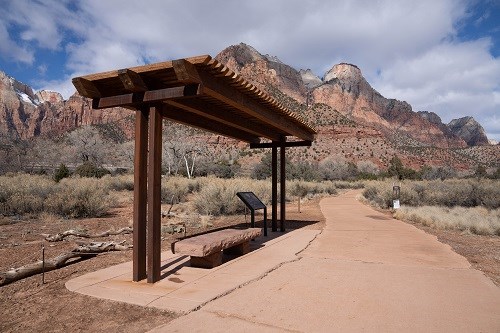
395, 204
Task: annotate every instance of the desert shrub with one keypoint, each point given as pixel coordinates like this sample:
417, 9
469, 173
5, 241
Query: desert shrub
218, 196
349, 185
175, 189
302, 188
368, 168
24, 194
79, 197
71, 197
477, 220
61, 172
119, 183
449, 193
89, 169
335, 169
378, 195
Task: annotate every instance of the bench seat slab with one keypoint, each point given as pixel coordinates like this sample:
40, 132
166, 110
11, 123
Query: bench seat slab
204, 245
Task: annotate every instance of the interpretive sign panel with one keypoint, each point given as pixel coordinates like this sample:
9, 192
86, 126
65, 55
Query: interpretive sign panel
251, 200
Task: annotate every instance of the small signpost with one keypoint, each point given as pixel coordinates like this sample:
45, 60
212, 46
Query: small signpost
395, 196
253, 203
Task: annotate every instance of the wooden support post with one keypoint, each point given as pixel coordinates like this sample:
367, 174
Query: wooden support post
154, 195
140, 194
282, 183
274, 191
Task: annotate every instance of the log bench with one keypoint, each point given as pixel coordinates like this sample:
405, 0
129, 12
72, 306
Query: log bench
206, 250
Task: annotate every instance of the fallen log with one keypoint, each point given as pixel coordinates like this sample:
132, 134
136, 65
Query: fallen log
83, 251
84, 234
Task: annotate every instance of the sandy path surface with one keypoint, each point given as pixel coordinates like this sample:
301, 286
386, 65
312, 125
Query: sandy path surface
364, 272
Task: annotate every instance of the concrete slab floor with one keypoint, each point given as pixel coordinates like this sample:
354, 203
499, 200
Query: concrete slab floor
184, 288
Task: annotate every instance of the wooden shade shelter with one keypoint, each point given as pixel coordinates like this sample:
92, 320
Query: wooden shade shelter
200, 92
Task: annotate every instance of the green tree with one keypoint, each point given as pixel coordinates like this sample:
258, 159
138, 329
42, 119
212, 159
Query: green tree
396, 167
496, 174
61, 172
480, 171
88, 169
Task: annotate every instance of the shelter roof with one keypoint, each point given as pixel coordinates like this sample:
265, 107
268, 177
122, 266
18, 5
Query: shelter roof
200, 92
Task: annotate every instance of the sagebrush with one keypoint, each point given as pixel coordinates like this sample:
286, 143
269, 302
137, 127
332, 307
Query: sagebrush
449, 193
23, 194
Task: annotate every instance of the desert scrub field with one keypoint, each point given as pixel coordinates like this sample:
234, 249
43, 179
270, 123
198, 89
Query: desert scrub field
477, 220
217, 196
78, 197
470, 205
31, 195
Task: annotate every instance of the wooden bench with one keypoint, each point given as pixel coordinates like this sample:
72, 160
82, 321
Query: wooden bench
206, 250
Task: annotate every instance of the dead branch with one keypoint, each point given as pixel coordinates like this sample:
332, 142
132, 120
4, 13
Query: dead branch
84, 234
83, 251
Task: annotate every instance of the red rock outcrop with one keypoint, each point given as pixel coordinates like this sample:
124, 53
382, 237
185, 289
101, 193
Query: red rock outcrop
346, 90
469, 130
24, 114
263, 70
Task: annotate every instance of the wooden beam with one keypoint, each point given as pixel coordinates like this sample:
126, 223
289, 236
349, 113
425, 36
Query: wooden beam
224, 117
151, 96
85, 87
131, 80
216, 88
274, 187
188, 118
185, 71
118, 100
175, 92
278, 144
154, 196
282, 184
140, 194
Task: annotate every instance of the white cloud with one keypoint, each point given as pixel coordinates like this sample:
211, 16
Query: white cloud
452, 79
407, 49
11, 50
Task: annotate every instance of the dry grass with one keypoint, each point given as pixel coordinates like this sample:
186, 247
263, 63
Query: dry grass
218, 196
449, 193
33, 195
469, 205
476, 220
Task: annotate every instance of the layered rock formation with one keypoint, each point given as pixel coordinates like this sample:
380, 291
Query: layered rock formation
263, 70
344, 89
469, 130
24, 114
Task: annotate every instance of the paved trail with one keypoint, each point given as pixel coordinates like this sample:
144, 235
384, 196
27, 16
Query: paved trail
365, 272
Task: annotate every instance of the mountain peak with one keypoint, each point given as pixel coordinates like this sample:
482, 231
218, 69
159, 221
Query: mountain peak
310, 79
344, 71
469, 130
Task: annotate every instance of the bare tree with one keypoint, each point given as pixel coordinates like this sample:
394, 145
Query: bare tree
89, 145
178, 150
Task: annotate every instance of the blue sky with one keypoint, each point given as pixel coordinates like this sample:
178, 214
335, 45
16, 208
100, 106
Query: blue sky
438, 55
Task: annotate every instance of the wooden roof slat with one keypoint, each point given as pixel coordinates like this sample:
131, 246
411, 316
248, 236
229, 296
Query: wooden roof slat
185, 71
225, 117
86, 87
187, 118
131, 80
